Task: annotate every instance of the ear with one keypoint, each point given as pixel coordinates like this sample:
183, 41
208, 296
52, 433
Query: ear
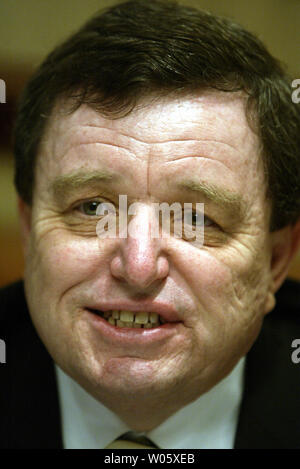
285, 244
25, 222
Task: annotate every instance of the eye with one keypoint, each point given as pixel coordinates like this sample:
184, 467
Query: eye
193, 218
90, 207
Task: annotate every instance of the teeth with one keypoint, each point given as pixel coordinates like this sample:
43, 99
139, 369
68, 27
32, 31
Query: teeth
115, 314
141, 317
153, 318
125, 318
128, 324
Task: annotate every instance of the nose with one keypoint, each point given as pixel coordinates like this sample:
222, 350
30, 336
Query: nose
140, 260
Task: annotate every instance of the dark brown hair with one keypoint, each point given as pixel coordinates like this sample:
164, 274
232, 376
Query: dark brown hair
141, 47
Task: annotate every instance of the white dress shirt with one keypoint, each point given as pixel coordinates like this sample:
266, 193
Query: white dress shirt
210, 422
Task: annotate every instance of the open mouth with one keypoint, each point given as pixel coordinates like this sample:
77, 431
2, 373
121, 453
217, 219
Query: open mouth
122, 318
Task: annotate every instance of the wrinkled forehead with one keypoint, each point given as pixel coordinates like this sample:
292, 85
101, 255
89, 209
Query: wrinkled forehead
211, 115
203, 138
193, 146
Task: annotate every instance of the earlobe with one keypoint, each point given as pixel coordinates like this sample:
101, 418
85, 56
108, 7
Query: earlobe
270, 301
285, 243
25, 222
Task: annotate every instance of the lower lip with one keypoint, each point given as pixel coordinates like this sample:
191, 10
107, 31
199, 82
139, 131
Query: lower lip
126, 335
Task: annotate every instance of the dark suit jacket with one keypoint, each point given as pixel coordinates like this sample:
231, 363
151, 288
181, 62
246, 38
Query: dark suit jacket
270, 411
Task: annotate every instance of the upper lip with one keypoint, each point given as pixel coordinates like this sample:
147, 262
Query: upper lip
167, 312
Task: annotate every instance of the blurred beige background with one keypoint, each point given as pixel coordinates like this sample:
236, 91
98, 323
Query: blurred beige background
29, 29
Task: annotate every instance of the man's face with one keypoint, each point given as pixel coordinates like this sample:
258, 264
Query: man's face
213, 297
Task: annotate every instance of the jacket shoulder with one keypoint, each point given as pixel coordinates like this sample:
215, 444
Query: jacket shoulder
270, 409
288, 299
12, 300
28, 391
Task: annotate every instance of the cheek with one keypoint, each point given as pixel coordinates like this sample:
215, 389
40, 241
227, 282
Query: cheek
210, 280
230, 290
60, 262
230, 294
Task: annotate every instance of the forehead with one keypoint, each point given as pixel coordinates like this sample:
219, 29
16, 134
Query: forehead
206, 135
211, 114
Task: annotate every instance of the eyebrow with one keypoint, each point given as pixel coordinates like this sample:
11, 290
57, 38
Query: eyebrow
68, 184
228, 200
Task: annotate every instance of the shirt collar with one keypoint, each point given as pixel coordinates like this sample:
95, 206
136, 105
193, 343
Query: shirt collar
207, 423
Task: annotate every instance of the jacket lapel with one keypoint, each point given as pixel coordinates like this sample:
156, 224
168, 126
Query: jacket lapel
270, 410
33, 416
